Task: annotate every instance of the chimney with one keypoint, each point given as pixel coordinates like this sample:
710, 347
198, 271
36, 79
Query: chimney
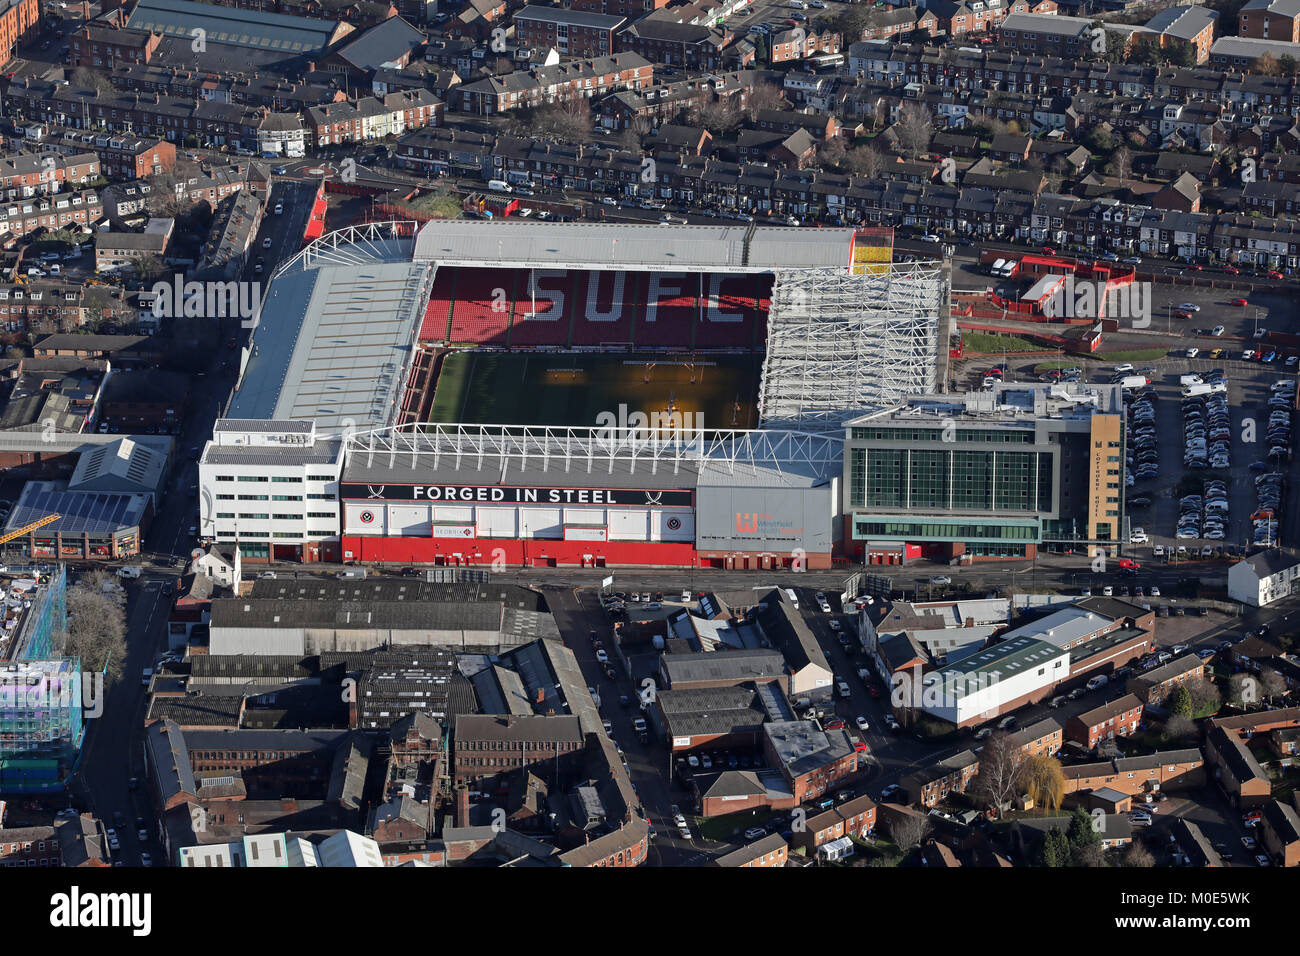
462, 805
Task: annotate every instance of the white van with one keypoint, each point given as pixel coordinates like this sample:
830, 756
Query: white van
500, 186
128, 572
792, 598
1101, 680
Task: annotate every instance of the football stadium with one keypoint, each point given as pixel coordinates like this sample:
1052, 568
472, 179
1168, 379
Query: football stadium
589, 394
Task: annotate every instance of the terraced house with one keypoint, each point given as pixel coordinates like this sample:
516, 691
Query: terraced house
578, 79
50, 212
1117, 718
48, 171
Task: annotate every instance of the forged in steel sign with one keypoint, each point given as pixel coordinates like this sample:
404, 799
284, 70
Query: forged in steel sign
495, 494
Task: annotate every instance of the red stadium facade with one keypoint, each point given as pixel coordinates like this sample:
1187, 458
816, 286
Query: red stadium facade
579, 308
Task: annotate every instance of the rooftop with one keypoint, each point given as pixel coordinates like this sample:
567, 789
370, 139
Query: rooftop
237, 27
332, 344
1006, 403
633, 247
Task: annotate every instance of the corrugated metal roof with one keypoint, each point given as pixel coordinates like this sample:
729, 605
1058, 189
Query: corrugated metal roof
631, 246
332, 346
237, 27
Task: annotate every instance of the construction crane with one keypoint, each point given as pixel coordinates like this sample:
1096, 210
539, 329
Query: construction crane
27, 529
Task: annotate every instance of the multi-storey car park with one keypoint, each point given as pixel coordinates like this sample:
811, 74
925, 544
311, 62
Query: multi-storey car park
564, 394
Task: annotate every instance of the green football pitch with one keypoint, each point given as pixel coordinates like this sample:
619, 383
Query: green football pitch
510, 388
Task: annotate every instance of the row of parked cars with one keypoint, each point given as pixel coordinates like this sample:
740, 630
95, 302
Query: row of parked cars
1204, 515
1143, 454
1207, 429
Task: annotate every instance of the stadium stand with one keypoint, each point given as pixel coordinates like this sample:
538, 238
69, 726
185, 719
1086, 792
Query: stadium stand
558, 308
437, 317
605, 304
542, 309
480, 308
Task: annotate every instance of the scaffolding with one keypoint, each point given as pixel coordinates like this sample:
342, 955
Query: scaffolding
839, 343
41, 724
45, 618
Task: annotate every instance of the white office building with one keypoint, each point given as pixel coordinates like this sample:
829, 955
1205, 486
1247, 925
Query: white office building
273, 487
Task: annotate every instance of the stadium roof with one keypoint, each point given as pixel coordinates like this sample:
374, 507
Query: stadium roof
332, 344
513, 455
580, 245
237, 27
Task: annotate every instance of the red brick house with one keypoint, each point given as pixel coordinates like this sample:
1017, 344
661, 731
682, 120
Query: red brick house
855, 817
1155, 685
569, 32
1270, 20
929, 785
16, 20
1118, 718
1279, 833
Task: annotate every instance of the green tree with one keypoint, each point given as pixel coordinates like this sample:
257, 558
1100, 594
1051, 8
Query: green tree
1082, 833
1099, 140
1180, 703
1288, 65
1180, 54
1055, 849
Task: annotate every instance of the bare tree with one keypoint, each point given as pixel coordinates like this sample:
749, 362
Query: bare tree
568, 121
832, 154
147, 266
637, 130
915, 128
718, 118
1091, 855
96, 629
1244, 690
865, 161
1271, 684
1138, 855
907, 830
764, 96
999, 779
1266, 65
163, 198
87, 78
1178, 729
1121, 164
